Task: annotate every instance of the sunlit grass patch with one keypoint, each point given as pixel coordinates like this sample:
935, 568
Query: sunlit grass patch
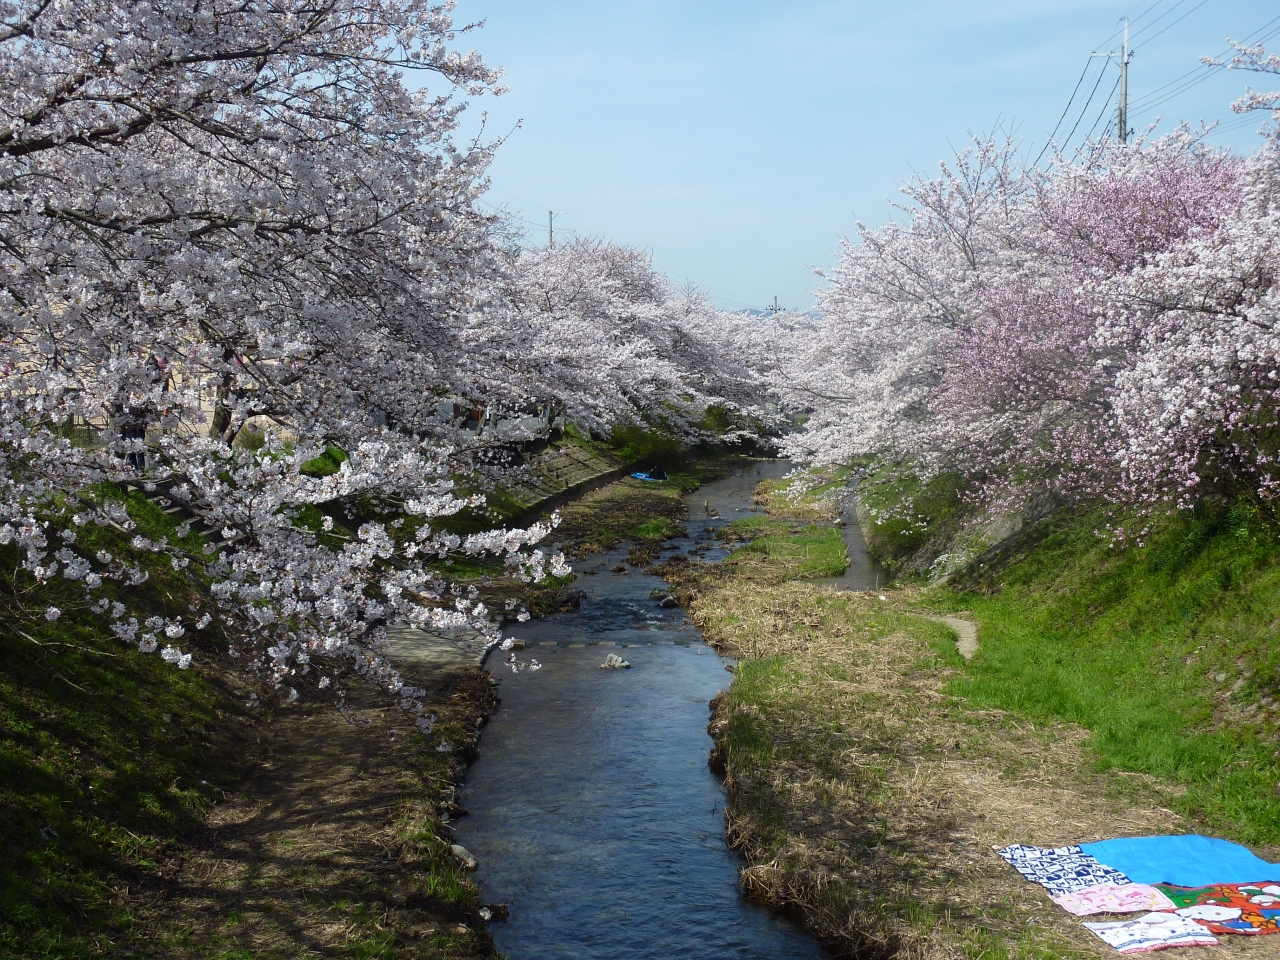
864, 792
328, 463
809, 495
807, 553
626, 510
663, 528
844, 758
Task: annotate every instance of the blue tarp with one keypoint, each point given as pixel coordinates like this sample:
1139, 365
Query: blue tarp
645, 476
1186, 861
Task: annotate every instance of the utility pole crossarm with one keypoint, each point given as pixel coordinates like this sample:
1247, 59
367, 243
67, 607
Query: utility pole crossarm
1122, 117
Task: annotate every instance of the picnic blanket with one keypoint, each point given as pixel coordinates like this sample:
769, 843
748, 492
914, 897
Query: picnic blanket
1187, 887
1113, 898
1184, 861
1155, 931
1060, 869
1246, 908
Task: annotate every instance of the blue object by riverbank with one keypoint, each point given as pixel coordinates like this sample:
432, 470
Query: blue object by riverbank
645, 476
1185, 861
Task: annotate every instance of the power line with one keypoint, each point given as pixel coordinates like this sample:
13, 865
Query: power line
1197, 76
1148, 26
1203, 70
508, 214
1165, 92
1065, 109
1176, 22
1085, 108
1132, 20
1105, 107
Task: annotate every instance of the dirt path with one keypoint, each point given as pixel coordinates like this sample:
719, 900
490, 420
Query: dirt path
966, 632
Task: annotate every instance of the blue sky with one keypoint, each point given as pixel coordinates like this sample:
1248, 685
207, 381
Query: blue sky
739, 141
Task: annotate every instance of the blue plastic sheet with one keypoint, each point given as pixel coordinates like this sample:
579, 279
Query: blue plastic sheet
1186, 861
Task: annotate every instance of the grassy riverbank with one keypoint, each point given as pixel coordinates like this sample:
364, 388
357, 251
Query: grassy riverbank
1165, 650
641, 511
871, 770
153, 812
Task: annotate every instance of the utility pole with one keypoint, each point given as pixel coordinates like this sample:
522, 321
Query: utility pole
1123, 126
551, 230
1122, 118
774, 308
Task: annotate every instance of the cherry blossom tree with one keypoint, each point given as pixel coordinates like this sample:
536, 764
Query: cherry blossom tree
216, 211
1103, 328
591, 331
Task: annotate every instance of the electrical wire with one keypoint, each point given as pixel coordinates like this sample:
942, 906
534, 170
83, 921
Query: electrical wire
1175, 22
1134, 34
1085, 108
1132, 21
1199, 75
1202, 69
1105, 107
1242, 121
1065, 109
1165, 92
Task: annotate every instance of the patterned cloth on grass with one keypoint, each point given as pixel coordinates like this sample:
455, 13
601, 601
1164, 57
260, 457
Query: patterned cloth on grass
1060, 869
1113, 898
1250, 908
1155, 931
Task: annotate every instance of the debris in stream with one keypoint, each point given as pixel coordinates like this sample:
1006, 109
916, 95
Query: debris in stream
467, 861
516, 664
614, 662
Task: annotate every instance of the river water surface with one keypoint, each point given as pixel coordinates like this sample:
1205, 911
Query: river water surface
592, 811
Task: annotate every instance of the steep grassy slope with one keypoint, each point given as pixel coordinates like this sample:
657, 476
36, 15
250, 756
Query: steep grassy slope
107, 755
1165, 647
150, 811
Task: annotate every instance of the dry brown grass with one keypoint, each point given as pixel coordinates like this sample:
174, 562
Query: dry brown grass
865, 796
334, 848
782, 499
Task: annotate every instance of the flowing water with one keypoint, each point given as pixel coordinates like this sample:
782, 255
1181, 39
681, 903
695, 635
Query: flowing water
863, 573
592, 811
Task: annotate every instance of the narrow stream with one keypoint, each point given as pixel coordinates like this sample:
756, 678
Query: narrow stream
592, 811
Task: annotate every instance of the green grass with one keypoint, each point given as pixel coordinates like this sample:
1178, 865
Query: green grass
755, 525
906, 515
818, 502
1166, 651
639, 447
806, 553
327, 464
104, 752
663, 528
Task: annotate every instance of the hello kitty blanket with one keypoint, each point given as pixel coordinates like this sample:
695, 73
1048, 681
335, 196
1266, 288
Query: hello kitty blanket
1248, 908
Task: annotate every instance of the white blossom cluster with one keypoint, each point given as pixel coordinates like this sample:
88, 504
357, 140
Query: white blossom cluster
1104, 328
